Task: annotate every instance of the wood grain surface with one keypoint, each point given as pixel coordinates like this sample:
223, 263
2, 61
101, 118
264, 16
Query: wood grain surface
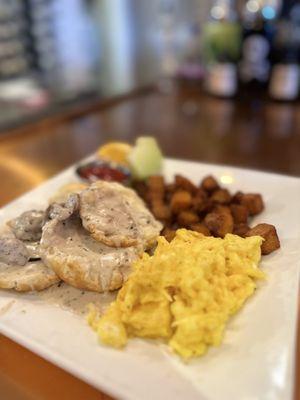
188, 124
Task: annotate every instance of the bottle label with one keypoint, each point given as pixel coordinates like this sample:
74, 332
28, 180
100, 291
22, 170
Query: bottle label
284, 83
222, 79
255, 63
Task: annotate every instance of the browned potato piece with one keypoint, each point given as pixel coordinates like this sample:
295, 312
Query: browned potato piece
183, 183
156, 188
240, 229
201, 228
170, 190
268, 232
237, 197
199, 204
181, 200
201, 193
254, 203
156, 183
221, 209
221, 196
219, 224
174, 226
154, 197
240, 213
186, 218
169, 234
161, 211
209, 184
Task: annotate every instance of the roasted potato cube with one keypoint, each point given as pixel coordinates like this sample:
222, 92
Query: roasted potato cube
209, 184
181, 200
219, 224
183, 183
168, 233
201, 228
221, 196
154, 197
268, 232
201, 193
237, 197
186, 218
221, 209
161, 211
240, 213
253, 202
170, 189
174, 226
156, 183
240, 229
156, 188
199, 204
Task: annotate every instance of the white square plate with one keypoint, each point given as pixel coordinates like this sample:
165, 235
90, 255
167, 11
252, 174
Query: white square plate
256, 359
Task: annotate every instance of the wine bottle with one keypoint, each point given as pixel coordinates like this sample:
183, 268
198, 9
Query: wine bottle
258, 19
284, 83
222, 41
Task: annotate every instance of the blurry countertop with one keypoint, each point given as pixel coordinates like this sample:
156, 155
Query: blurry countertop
188, 124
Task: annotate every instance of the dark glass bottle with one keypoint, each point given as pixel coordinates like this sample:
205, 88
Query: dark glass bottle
259, 29
284, 83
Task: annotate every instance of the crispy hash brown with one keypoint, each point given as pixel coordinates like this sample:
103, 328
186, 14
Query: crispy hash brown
207, 208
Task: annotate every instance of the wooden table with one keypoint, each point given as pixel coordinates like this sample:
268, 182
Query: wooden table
188, 124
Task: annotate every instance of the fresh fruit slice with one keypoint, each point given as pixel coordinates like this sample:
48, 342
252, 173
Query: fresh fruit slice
145, 158
115, 152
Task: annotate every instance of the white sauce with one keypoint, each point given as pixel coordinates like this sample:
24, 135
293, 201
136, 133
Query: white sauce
76, 300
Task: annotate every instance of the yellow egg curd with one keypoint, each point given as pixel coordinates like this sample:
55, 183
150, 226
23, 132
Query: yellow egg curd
184, 293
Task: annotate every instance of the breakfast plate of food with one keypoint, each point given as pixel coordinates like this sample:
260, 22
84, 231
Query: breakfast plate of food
157, 278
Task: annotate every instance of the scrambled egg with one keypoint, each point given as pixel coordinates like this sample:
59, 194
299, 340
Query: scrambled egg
184, 293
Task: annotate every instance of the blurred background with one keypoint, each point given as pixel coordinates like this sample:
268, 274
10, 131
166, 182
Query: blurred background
56, 53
